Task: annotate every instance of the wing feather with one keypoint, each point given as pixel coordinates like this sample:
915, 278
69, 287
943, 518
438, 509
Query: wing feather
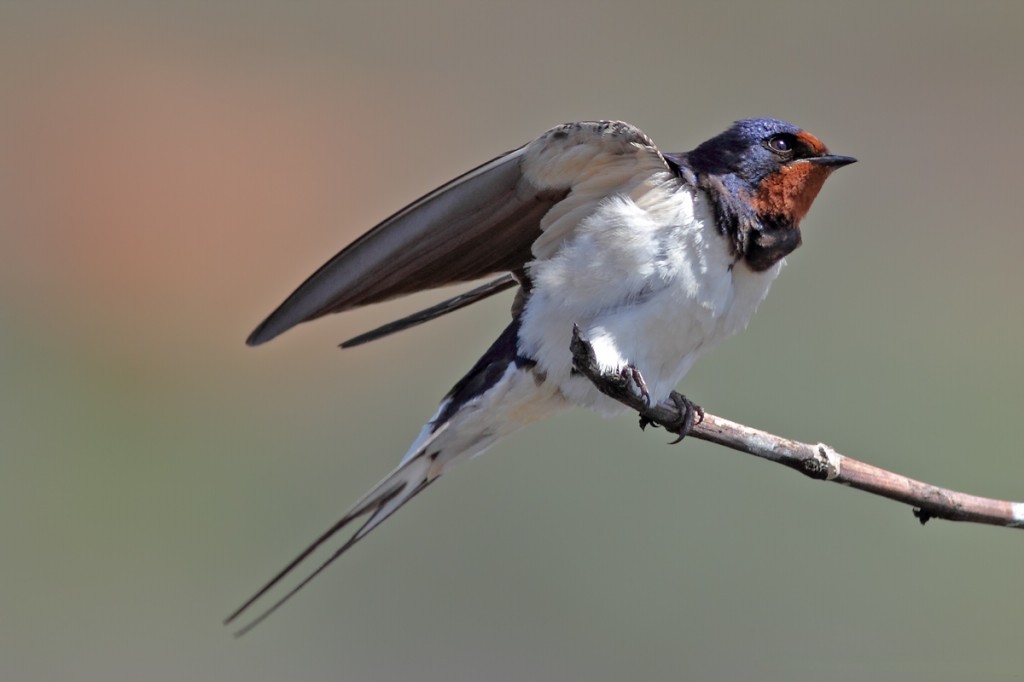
443, 308
489, 220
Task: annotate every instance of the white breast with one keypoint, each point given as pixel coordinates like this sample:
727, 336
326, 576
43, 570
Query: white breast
649, 281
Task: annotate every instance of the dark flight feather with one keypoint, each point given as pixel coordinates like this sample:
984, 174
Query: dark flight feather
483, 222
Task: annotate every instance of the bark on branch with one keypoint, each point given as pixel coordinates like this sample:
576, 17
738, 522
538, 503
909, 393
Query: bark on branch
817, 461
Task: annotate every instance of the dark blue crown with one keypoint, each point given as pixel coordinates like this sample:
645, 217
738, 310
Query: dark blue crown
740, 150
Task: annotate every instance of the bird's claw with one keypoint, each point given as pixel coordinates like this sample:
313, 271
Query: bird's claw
632, 377
690, 414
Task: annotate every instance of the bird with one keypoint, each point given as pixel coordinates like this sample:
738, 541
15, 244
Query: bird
653, 257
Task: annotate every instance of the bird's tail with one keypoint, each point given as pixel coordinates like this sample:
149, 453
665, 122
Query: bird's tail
414, 474
497, 396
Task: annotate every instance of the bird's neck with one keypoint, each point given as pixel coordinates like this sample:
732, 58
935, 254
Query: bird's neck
759, 238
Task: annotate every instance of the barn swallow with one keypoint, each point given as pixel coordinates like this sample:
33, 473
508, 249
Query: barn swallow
657, 257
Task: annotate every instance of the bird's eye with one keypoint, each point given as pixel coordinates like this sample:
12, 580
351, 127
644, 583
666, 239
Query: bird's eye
782, 144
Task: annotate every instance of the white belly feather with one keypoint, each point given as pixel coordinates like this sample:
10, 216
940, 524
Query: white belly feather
670, 308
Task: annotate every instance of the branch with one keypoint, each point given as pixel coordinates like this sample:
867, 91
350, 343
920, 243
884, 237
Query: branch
816, 461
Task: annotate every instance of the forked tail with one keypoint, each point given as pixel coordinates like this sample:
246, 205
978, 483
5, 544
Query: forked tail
385, 499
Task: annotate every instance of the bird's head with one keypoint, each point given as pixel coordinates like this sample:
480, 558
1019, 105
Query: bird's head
771, 168
781, 166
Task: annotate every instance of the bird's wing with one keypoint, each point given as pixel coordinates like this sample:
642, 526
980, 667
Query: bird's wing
493, 219
450, 305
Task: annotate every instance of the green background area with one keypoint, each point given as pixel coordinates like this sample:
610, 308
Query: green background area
169, 174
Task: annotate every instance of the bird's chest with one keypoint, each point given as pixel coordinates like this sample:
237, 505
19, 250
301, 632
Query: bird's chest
700, 298
650, 285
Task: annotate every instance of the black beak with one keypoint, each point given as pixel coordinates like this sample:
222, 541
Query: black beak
832, 160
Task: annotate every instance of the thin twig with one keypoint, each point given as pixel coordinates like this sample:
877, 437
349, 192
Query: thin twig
816, 461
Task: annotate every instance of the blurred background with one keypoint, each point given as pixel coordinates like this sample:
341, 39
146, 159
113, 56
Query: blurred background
169, 172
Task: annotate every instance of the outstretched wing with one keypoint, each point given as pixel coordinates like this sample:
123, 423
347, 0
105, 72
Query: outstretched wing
493, 219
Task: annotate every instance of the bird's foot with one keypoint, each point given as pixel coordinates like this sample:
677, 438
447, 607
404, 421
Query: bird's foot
627, 385
690, 414
634, 381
